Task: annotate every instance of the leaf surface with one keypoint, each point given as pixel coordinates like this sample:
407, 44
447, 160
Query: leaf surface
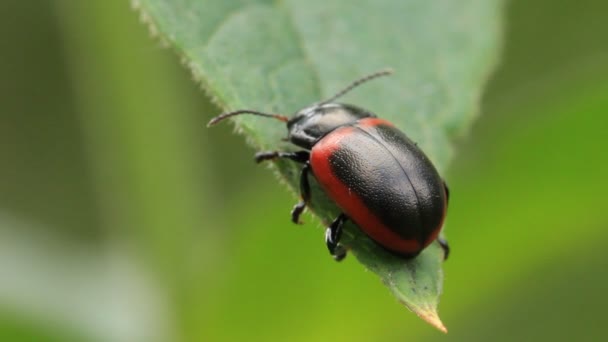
280, 56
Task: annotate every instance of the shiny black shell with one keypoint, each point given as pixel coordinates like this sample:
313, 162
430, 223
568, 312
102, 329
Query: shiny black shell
375, 174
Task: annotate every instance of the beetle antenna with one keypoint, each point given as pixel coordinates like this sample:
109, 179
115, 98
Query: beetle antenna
357, 83
223, 116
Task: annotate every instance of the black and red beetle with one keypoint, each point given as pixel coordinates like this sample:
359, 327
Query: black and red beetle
376, 175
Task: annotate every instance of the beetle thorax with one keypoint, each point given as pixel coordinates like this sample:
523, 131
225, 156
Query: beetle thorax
312, 123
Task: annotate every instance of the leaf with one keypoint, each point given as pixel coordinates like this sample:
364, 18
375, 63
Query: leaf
280, 56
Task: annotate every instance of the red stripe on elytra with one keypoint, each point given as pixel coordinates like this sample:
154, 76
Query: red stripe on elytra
350, 202
371, 122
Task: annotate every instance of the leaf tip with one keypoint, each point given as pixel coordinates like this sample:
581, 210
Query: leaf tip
432, 317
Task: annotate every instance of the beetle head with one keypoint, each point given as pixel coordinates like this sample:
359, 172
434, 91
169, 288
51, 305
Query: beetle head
310, 124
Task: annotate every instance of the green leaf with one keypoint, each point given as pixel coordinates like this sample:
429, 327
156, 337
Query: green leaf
280, 56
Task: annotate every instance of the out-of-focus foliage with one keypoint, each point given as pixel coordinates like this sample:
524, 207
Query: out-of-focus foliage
122, 218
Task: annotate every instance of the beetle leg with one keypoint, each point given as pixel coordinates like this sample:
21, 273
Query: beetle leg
333, 233
300, 156
443, 242
446, 248
304, 192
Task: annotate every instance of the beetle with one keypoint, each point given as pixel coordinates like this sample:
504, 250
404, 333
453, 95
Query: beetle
374, 173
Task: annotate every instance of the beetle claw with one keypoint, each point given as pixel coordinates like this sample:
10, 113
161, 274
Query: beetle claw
297, 211
262, 156
339, 253
333, 233
446, 248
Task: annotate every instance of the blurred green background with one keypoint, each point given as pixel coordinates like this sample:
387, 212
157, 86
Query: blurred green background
122, 218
